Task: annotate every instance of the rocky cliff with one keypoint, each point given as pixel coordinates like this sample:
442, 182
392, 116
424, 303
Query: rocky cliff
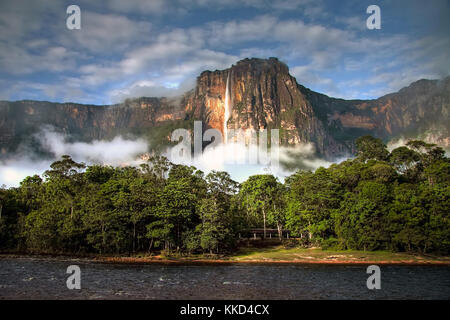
265, 95
262, 94
419, 110
20, 121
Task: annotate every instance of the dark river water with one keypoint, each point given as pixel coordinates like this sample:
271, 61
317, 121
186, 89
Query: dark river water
33, 278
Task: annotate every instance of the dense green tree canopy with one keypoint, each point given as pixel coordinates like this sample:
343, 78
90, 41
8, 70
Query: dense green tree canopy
398, 200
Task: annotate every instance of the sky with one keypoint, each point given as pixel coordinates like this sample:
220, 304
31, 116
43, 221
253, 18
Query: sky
158, 47
132, 48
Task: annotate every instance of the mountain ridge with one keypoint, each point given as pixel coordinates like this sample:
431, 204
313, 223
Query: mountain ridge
263, 95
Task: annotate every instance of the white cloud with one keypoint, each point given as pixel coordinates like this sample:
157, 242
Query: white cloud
114, 152
117, 152
12, 172
356, 23
125, 45
236, 158
137, 6
107, 33
146, 88
181, 7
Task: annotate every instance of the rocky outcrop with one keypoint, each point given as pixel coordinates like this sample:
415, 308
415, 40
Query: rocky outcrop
419, 110
263, 95
21, 120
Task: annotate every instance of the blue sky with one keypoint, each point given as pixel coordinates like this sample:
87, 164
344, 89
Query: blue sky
129, 48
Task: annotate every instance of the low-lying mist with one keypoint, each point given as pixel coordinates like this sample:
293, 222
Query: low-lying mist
236, 158
116, 152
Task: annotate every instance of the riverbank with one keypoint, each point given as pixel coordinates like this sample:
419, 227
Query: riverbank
319, 256
273, 255
46, 278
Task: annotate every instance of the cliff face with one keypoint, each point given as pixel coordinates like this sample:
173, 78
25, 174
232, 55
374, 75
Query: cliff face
265, 95
419, 110
20, 120
423, 107
262, 95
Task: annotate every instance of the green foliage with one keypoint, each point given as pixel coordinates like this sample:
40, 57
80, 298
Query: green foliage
260, 196
361, 219
404, 159
371, 148
398, 201
311, 200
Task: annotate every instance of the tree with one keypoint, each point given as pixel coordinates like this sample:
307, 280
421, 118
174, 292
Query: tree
65, 167
379, 171
2, 200
438, 172
99, 174
404, 159
257, 194
400, 203
407, 219
175, 207
428, 152
11, 219
142, 198
311, 200
212, 231
221, 188
369, 147
156, 168
361, 221
64, 180
277, 212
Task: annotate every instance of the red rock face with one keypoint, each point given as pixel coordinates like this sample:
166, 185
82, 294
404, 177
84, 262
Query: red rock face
207, 102
263, 95
421, 109
349, 120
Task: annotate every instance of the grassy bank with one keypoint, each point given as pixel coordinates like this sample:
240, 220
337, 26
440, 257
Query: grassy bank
263, 255
317, 255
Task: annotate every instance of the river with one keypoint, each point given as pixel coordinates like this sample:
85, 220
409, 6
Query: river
41, 278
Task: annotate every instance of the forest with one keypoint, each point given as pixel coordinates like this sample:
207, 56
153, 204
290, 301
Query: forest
378, 200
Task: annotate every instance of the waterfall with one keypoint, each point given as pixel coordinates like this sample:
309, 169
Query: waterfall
227, 109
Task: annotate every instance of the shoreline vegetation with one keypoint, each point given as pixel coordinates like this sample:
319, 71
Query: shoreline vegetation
273, 255
395, 202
